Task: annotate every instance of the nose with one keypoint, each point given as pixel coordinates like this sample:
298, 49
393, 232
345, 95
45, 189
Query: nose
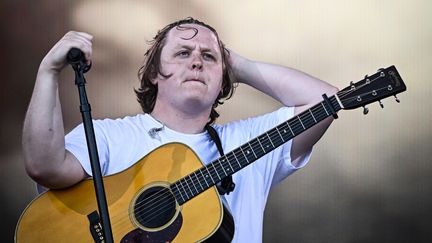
197, 63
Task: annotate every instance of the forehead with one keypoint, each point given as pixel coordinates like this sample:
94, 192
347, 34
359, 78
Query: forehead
192, 34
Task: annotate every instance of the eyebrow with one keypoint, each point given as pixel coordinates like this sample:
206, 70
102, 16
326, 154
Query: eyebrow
189, 47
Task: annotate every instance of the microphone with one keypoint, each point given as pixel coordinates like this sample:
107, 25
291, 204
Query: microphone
76, 57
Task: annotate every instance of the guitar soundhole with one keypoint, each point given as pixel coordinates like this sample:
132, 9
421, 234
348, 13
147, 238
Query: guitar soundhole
155, 207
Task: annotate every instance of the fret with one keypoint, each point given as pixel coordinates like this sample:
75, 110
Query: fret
301, 123
306, 120
232, 170
280, 135
209, 175
284, 129
276, 138
256, 157
241, 157
192, 182
325, 109
176, 186
207, 185
187, 184
270, 140
198, 180
220, 163
323, 113
235, 157
260, 145
216, 170
181, 185
294, 124
266, 143
240, 166
312, 115
290, 128
244, 155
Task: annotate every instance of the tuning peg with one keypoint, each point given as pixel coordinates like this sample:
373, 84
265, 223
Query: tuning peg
352, 85
365, 110
381, 104
397, 99
366, 78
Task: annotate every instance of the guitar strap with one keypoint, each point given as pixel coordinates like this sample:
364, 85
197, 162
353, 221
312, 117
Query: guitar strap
227, 185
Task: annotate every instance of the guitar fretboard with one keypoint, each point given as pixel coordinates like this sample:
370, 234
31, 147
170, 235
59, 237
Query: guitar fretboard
198, 181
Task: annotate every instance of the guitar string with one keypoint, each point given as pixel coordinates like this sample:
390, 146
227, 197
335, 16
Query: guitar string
234, 155
217, 170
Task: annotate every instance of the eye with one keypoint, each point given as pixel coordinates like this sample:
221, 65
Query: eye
183, 53
209, 56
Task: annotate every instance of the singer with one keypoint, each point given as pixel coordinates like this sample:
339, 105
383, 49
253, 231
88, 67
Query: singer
186, 74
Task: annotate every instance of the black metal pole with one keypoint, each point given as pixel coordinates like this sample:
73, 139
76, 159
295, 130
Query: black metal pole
85, 109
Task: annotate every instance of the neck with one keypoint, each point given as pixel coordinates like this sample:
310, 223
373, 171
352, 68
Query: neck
180, 121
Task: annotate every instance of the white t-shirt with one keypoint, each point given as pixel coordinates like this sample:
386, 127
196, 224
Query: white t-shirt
122, 142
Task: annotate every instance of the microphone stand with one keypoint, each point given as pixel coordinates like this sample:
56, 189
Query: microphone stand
80, 68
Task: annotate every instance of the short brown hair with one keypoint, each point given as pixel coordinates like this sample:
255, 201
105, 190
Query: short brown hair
147, 91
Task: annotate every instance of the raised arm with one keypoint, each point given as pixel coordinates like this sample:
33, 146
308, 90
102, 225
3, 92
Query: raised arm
46, 159
290, 87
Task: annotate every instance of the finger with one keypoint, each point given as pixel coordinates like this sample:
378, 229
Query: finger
81, 43
85, 35
74, 36
82, 34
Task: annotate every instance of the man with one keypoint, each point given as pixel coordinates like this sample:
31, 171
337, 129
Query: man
187, 73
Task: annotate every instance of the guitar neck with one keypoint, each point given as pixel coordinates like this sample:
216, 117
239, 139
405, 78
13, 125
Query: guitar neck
207, 176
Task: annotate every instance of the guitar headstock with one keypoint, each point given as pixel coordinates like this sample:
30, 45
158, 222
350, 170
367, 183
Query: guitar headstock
386, 82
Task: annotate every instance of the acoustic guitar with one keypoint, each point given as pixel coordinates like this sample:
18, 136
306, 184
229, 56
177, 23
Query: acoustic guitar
170, 195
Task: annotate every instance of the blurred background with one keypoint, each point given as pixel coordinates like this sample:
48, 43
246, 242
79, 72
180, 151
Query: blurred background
370, 177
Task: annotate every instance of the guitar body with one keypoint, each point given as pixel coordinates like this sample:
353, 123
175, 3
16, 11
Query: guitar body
63, 215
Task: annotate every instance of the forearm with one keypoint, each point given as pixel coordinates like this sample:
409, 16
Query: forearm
43, 132
45, 156
287, 85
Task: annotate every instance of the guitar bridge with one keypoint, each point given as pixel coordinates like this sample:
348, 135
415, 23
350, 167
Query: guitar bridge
95, 227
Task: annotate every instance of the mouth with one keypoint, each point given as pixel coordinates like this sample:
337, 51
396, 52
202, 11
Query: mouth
195, 80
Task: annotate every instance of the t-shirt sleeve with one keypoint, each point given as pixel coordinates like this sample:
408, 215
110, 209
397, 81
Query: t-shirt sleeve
75, 142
